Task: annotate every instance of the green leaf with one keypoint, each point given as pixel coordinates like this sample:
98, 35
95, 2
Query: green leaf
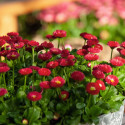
117, 97
3, 119
49, 115
95, 110
32, 114
80, 105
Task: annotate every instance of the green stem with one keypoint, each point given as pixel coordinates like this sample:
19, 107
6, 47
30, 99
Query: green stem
111, 53
4, 80
58, 42
33, 81
89, 101
13, 73
92, 65
24, 87
32, 56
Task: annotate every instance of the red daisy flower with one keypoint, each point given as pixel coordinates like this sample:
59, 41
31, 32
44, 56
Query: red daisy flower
91, 57
98, 46
64, 95
34, 96
44, 72
116, 62
36, 68
101, 84
123, 44
120, 58
3, 64
105, 68
82, 52
92, 42
65, 53
3, 91
55, 51
70, 57
38, 48
93, 88
87, 36
77, 75
113, 44
25, 41
6, 38
122, 52
62, 62
4, 69
25, 71
47, 45
98, 74
13, 34
13, 55
3, 52
45, 84
45, 56
2, 42
18, 45
50, 37
112, 79
59, 33
94, 50
57, 82
52, 64
33, 43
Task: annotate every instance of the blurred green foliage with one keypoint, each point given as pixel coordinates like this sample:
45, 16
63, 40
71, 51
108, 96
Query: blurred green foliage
30, 26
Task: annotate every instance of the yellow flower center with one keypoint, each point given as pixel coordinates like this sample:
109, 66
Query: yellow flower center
92, 88
58, 82
112, 80
34, 96
13, 55
63, 96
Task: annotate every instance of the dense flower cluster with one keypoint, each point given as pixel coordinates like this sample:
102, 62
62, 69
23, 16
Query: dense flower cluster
43, 83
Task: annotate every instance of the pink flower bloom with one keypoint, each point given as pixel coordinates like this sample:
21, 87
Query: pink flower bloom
33, 43
59, 33
77, 75
3, 64
116, 62
69, 47
2, 42
52, 64
87, 36
47, 45
13, 34
82, 52
92, 42
123, 44
34, 96
105, 68
122, 52
18, 45
101, 84
36, 68
13, 55
57, 82
112, 79
25, 71
65, 53
93, 88
4, 69
94, 50
3, 91
91, 57
113, 44
45, 56
55, 51
98, 74
45, 84
44, 72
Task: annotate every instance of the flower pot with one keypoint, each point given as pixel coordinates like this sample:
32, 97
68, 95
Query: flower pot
114, 118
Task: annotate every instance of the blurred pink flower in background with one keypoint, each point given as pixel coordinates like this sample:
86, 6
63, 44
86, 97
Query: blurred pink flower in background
106, 11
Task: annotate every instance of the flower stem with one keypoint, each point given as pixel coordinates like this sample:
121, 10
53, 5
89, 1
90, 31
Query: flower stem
4, 80
32, 56
89, 101
13, 73
58, 42
111, 53
24, 87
